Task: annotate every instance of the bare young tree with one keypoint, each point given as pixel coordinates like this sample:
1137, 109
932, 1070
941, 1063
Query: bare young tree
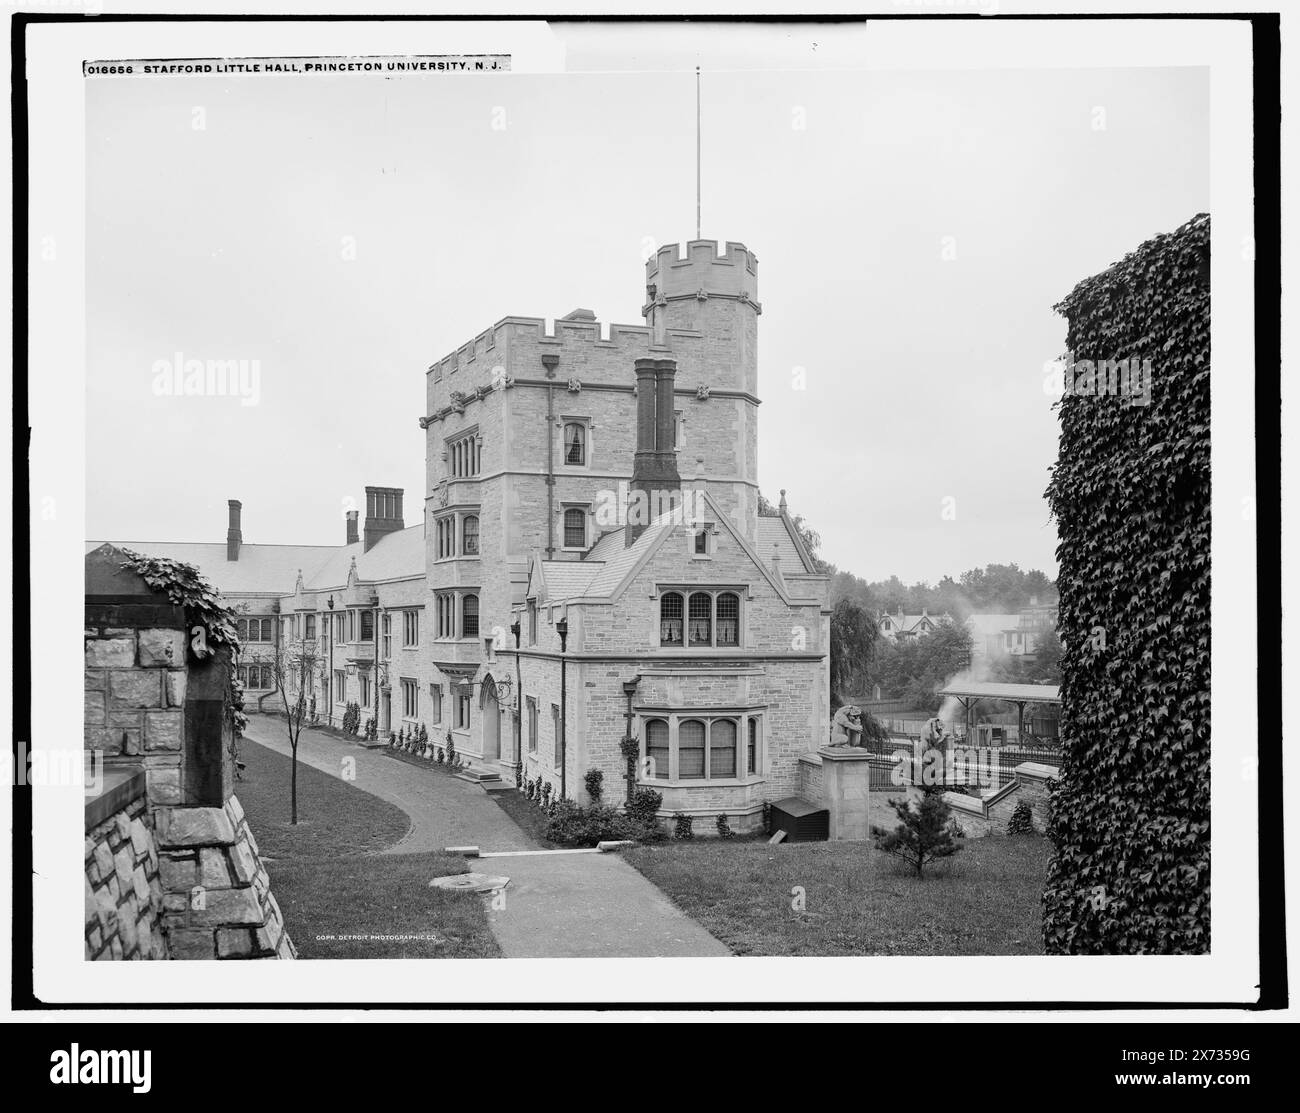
293, 669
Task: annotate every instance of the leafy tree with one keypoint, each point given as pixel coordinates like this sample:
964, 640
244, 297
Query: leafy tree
853, 641
925, 833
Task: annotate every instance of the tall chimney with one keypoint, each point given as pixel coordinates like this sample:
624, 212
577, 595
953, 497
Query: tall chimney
655, 480
383, 514
353, 537
234, 535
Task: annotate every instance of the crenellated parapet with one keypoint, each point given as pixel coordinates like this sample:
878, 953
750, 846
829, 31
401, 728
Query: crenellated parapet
701, 272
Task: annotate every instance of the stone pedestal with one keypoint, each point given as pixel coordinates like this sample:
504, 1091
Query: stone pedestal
846, 785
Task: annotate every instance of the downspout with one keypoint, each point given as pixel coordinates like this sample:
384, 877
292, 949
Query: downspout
550, 361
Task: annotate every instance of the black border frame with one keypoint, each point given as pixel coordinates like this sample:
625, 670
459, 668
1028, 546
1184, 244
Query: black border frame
1273, 990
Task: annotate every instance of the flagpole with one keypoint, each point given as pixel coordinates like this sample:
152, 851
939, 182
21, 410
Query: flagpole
697, 152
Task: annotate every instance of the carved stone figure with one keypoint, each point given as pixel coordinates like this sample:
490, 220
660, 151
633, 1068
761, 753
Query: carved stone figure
846, 727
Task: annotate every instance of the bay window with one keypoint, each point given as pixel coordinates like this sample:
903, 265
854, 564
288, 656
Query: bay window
701, 746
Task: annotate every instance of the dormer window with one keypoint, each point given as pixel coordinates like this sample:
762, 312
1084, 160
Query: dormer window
699, 619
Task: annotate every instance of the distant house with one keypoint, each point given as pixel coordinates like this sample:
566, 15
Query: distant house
994, 636
901, 626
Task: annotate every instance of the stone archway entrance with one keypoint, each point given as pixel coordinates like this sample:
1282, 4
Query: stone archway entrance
491, 709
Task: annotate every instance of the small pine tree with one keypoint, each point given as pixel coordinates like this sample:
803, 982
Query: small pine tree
451, 750
724, 827
1022, 820
925, 832
682, 826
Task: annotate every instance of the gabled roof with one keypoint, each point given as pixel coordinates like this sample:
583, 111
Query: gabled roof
260, 569
607, 578
395, 556
776, 536
565, 579
273, 569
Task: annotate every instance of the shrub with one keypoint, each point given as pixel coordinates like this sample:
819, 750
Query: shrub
1130, 820
1022, 819
682, 826
767, 817
724, 828
546, 794
645, 803
595, 782
926, 831
451, 750
571, 824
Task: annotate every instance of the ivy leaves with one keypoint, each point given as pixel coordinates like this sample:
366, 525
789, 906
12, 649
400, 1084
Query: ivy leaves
1130, 492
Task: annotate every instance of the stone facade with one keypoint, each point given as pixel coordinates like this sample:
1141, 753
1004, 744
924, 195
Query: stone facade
502, 479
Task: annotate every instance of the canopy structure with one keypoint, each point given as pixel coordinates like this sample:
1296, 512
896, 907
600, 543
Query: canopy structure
969, 694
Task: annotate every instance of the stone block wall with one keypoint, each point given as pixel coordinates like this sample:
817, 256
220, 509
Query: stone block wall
216, 895
124, 896
172, 870
135, 683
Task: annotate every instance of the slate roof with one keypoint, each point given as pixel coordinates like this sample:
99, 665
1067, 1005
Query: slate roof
273, 569
774, 533
260, 569
568, 579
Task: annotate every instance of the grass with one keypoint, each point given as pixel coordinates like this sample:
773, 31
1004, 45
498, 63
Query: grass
340, 898
527, 815
334, 817
381, 906
857, 900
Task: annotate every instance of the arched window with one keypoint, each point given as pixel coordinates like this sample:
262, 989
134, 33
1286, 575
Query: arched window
575, 443
701, 619
575, 528
728, 619
670, 619
656, 748
690, 749
469, 617
469, 535
722, 748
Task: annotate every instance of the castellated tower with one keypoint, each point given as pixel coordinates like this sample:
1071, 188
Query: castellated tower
531, 430
704, 305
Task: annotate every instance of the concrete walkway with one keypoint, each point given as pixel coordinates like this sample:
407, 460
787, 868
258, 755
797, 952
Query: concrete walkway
589, 906
557, 905
443, 811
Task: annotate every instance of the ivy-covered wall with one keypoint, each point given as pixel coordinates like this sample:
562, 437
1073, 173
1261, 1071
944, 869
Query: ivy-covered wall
1130, 492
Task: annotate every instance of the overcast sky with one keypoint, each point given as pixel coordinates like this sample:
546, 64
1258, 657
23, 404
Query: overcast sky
924, 376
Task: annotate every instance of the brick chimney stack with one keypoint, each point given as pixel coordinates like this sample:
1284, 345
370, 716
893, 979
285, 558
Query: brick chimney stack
383, 514
353, 536
655, 480
234, 534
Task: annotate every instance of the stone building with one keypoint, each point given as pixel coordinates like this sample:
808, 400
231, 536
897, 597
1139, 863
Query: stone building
596, 479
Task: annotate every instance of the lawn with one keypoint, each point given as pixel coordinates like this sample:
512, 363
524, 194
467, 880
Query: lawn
334, 817
340, 898
857, 901
381, 906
